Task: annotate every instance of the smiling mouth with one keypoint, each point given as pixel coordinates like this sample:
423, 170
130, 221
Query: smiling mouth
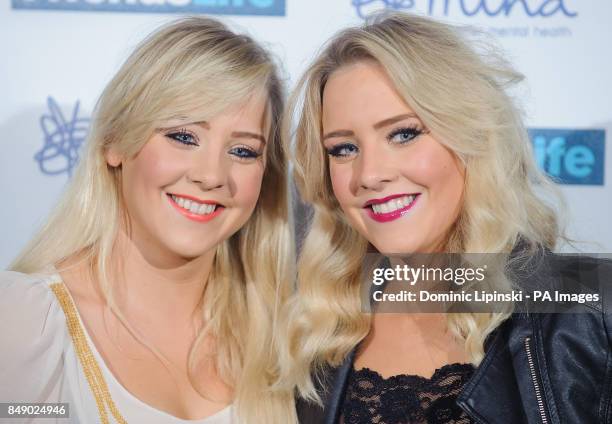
195, 210
392, 207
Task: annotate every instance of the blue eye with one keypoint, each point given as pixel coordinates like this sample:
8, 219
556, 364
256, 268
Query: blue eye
244, 153
183, 137
404, 135
342, 150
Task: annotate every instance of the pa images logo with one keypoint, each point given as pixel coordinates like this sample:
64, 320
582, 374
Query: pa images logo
62, 139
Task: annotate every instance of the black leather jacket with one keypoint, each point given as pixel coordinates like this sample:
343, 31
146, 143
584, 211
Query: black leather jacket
539, 368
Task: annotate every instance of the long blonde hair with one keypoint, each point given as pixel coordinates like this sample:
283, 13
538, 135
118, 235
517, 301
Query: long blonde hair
460, 94
191, 69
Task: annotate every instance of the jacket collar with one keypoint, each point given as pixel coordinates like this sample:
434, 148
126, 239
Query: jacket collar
496, 366
334, 404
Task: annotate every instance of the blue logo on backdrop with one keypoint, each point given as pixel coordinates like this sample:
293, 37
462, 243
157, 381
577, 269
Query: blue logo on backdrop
223, 7
468, 8
570, 156
63, 138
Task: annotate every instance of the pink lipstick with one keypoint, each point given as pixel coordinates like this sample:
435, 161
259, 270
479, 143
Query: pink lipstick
194, 216
378, 215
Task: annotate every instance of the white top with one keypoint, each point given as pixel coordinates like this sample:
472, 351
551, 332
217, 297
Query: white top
41, 359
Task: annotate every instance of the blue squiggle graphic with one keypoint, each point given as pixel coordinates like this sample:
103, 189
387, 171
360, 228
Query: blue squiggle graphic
63, 139
388, 4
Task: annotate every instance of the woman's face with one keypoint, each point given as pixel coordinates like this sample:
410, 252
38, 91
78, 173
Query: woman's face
194, 184
398, 185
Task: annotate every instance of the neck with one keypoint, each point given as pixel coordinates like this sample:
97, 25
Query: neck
169, 290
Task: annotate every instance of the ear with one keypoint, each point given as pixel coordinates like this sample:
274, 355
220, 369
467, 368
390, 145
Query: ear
113, 158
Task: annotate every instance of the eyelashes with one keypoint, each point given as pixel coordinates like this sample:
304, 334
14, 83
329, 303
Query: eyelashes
183, 136
244, 152
342, 150
404, 135
401, 136
187, 138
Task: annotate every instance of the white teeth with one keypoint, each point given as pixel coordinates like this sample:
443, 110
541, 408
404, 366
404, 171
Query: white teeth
204, 209
393, 204
193, 206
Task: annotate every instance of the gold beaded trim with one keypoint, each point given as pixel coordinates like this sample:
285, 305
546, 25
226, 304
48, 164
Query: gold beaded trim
88, 362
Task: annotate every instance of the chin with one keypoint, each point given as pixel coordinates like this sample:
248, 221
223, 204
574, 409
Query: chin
387, 247
190, 251
196, 253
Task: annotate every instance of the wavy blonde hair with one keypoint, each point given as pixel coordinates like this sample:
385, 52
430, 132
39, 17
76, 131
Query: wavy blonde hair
190, 69
460, 94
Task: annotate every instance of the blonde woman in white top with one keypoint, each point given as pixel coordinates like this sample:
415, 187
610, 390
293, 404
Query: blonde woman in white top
150, 293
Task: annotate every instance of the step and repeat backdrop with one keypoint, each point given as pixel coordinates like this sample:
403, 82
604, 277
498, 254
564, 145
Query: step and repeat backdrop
57, 55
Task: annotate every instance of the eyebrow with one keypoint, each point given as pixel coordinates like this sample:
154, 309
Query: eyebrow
393, 120
246, 134
339, 133
178, 124
202, 124
376, 126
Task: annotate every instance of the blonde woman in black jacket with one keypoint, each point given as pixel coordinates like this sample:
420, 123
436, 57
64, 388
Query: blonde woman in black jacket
408, 142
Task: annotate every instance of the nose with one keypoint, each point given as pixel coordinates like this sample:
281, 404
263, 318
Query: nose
375, 167
208, 170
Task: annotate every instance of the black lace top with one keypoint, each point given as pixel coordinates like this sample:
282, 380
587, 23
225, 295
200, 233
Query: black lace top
406, 399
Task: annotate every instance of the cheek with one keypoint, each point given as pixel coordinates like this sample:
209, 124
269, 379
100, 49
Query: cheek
152, 167
447, 181
248, 183
340, 175
436, 169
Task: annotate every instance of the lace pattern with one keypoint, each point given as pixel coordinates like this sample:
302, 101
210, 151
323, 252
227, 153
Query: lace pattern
406, 399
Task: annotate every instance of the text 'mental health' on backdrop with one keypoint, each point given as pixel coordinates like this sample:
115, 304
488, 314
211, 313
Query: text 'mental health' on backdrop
59, 54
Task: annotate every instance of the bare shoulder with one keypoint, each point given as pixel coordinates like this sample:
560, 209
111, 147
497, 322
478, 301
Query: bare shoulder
79, 279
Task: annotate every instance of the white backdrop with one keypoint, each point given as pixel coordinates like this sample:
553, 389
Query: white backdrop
70, 55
